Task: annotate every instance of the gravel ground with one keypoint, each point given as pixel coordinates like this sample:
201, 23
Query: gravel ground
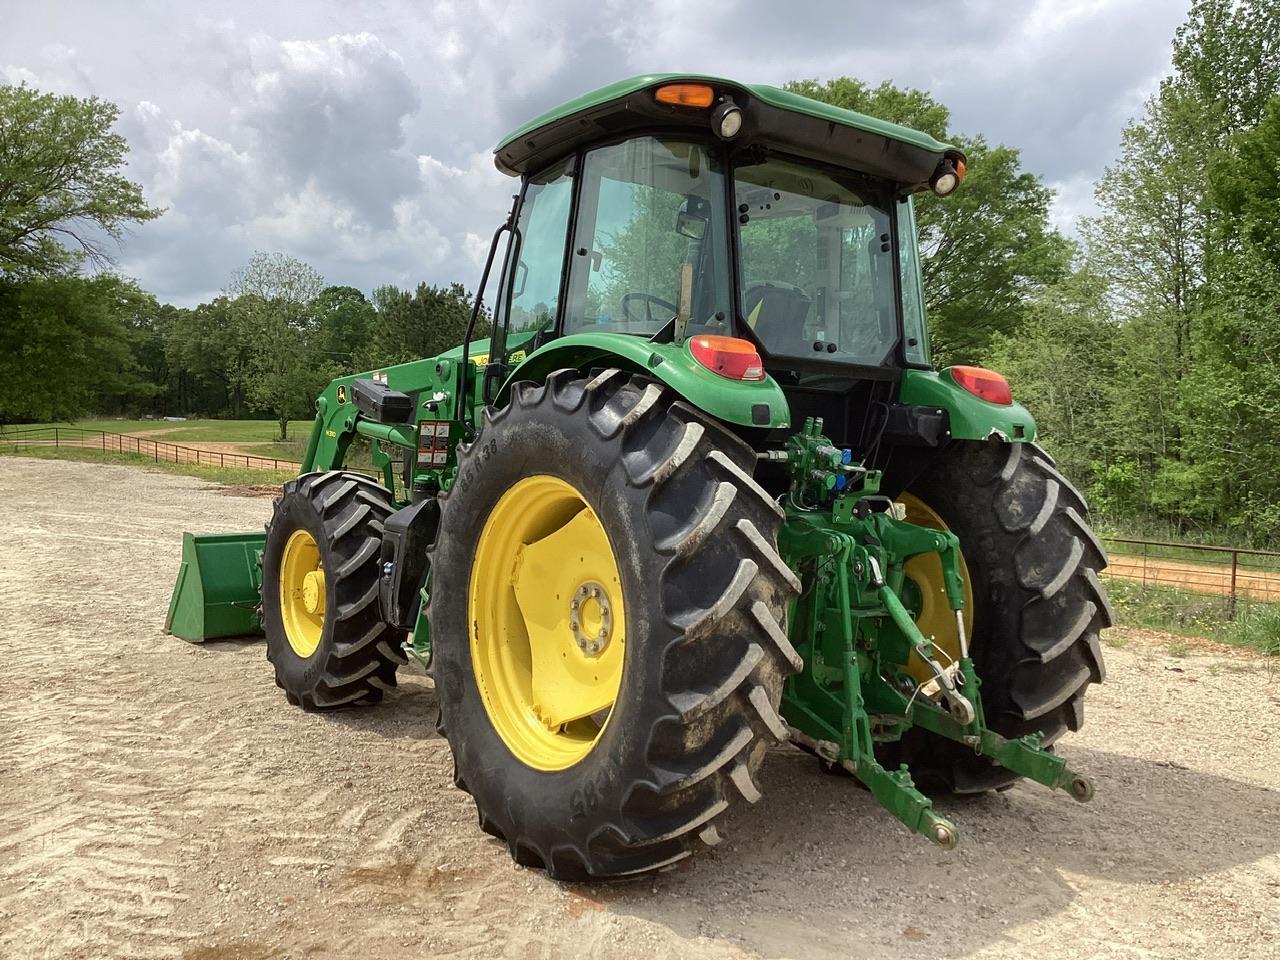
159, 799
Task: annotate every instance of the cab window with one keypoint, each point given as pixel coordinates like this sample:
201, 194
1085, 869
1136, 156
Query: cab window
538, 254
816, 265
651, 240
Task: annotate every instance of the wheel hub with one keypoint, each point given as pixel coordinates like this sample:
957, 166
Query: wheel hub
925, 596
591, 618
302, 593
548, 622
313, 591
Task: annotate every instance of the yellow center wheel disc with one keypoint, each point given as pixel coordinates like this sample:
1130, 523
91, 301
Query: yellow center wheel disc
936, 620
302, 593
548, 623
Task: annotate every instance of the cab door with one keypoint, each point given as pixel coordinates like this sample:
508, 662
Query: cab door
529, 296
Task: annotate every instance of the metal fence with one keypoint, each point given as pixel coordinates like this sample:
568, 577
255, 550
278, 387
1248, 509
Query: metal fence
20, 438
1196, 572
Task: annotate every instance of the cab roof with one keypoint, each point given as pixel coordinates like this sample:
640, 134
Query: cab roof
773, 118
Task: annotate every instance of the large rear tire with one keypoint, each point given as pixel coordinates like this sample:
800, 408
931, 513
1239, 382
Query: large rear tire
636, 785
325, 633
1038, 605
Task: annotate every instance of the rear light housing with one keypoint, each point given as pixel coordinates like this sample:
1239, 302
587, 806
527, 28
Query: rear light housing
685, 95
983, 383
729, 357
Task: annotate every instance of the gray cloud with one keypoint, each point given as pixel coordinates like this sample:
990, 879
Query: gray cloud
358, 137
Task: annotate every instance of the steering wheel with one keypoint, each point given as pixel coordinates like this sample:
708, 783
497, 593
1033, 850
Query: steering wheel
649, 301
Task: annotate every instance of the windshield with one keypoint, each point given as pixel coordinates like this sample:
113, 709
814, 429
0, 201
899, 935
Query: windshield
816, 263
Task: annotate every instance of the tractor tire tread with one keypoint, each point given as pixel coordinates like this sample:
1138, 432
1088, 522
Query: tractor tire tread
361, 659
1039, 651
712, 710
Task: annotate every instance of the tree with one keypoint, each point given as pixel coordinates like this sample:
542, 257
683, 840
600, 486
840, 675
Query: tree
67, 344
273, 313
61, 193
1227, 58
277, 277
986, 249
424, 324
208, 355
344, 319
1231, 398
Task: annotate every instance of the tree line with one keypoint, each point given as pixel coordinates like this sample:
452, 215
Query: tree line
1153, 366
76, 342
1148, 348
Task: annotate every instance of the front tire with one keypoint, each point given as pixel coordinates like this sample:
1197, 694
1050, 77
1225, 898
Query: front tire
704, 592
320, 613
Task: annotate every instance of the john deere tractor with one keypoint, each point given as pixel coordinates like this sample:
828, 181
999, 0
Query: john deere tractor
699, 493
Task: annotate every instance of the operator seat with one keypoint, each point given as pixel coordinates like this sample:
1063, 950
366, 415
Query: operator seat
777, 312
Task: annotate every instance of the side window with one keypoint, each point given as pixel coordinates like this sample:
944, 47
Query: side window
534, 281
650, 239
816, 266
914, 332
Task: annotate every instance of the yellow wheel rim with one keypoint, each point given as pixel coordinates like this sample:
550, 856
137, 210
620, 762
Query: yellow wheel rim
302, 593
936, 619
548, 624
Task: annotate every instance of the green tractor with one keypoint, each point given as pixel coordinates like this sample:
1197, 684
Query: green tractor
700, 492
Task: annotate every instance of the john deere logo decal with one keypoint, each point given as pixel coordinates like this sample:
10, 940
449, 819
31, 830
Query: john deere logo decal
342, 394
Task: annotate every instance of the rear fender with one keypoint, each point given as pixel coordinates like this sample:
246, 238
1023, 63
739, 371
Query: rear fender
758, 403
971, 418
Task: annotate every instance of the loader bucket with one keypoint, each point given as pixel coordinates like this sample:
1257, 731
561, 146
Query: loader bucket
217, 593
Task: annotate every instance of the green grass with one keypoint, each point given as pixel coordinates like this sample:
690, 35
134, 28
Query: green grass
1259, 627
1255, 625
1156, 529
231, 476
185, 431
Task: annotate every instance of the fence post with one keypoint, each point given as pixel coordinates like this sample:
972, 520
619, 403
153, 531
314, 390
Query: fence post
1231, 601
56, 443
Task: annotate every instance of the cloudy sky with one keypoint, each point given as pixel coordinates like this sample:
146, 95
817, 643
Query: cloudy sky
358, 135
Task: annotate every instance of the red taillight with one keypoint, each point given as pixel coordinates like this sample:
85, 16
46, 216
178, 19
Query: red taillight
984, 384
728, 356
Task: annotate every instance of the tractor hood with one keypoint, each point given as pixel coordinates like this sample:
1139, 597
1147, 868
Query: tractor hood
772, 118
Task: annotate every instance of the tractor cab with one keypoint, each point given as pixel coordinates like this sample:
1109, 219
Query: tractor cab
772, 234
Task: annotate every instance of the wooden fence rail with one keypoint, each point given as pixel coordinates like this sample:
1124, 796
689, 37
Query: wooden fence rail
158, 450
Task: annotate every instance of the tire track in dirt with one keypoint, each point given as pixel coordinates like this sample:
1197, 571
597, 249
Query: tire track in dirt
136, 771
159, 799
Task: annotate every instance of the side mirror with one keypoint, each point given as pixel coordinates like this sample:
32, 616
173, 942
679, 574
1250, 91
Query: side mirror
691, 225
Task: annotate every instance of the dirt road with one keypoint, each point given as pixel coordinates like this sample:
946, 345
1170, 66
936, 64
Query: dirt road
1198, 577
161, 800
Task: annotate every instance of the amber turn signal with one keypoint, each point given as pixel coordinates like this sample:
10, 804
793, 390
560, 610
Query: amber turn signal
685, 95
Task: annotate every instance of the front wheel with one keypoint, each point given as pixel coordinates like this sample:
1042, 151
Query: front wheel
325, 633
607, 611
